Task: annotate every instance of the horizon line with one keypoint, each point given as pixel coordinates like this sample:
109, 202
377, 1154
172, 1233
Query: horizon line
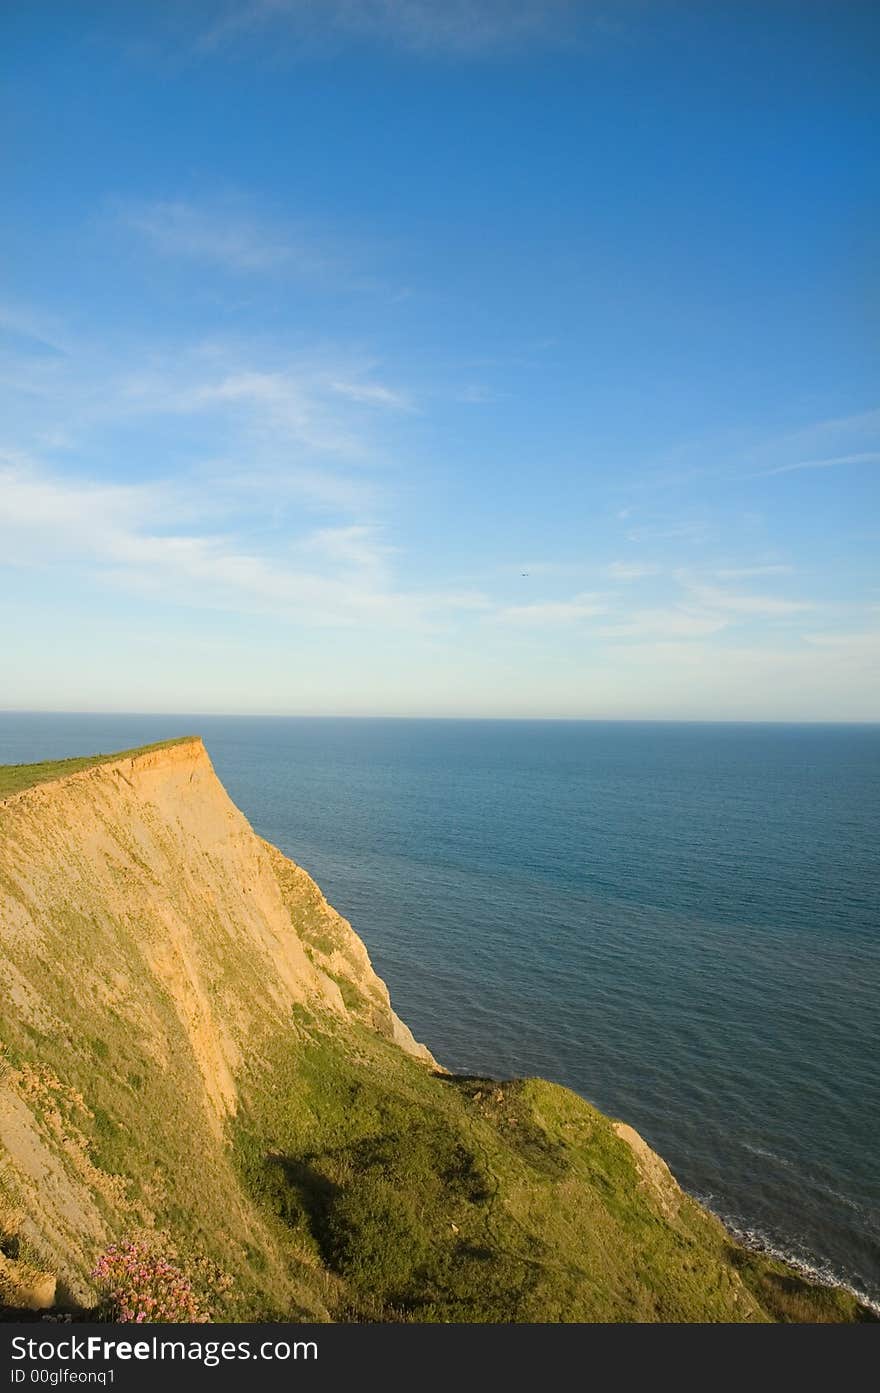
388, 716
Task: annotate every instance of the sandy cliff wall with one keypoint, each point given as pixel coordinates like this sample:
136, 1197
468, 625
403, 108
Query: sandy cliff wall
145, 929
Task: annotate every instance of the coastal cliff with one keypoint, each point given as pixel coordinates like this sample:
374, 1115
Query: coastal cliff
197, 1057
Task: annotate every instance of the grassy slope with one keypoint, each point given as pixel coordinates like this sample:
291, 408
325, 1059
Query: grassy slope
16, 777
354, 1182
463, 1199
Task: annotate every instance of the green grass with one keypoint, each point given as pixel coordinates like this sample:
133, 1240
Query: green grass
16, 777
791, 1298
444, 1198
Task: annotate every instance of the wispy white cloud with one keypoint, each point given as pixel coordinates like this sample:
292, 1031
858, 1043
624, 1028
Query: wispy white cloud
734, 602
856, 423
832, 443
277, 484
287, 405
828, 443
222, 236
462, 27
631, 570
232, 234
747, 572
663, 624
120, 535
373, 394
34, 331
694, 609
357, 547
579, 607
308, 423
861, 457
867, 641
694, 530
245, 442
535, 569
477, 394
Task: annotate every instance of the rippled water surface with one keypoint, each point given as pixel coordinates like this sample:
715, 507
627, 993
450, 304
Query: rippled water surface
682, 922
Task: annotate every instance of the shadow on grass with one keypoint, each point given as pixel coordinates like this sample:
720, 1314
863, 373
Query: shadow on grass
793, 1299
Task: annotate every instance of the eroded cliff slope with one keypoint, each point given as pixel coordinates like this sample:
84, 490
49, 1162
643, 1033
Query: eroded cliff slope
197, 1053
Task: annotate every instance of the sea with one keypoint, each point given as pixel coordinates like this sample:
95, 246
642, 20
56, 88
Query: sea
679, 921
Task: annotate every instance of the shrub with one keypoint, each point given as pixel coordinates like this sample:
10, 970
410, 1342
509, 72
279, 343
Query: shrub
139, 1284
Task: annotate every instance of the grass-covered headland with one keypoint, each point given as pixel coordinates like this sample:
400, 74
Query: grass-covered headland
201, 1075
445, 1198
16, 777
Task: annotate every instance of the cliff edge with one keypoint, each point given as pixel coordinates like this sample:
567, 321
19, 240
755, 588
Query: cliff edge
197, 1056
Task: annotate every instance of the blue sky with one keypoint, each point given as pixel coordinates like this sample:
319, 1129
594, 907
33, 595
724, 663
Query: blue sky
496, 359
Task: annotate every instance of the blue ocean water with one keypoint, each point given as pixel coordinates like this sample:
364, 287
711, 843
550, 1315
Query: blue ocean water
681, 922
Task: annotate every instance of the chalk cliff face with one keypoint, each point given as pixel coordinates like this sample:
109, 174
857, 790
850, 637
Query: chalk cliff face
196, 1053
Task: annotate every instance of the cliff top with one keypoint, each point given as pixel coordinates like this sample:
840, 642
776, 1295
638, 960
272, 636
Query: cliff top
15, 778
